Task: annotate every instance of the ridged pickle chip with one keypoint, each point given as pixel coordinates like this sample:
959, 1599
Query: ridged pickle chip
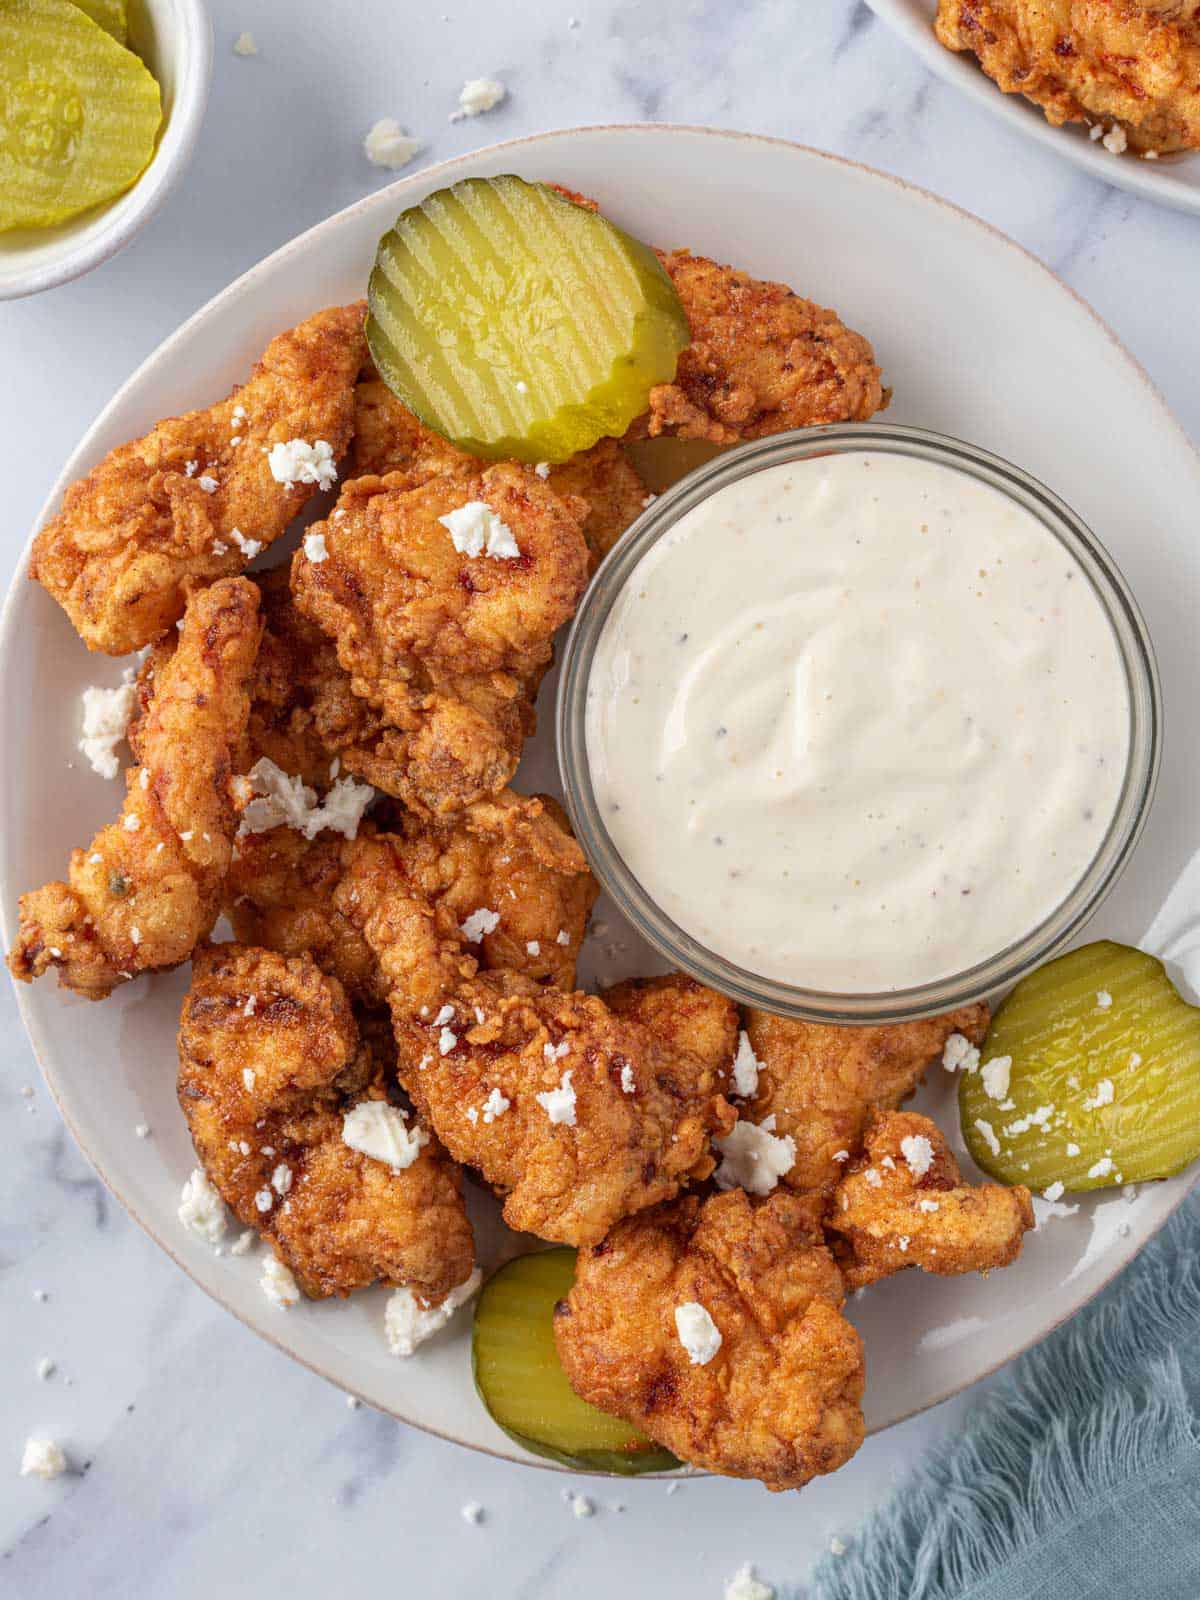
523, 1386
518, 324
79, 113
107, 14
1089, 1076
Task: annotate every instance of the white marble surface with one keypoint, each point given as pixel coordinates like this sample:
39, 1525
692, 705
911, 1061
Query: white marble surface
214, 1465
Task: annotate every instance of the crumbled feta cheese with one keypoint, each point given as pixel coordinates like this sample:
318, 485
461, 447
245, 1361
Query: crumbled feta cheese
1103, 999
201, 1209
409, 1321
190, 468
208, 483
698, 1333
446, 1041
142, 1130
918, 1153
745, 1586
446, 1014
928, 1205
995, 1075
987, 1133
42, 1458
243, 1242
281, 1178
282, 800
297, 461
562, 937
472, 1113
628, 1081
559, 1104
249, 547
903, 1244
873, 1178
387, 145
1102, 1168
495, 1106
1054, 1192
478, 924
472, 1512
244, 45
745, 1067
132, 822
580, 1505
477, 96
1135, 1060
315, 549
1037, 1118
46, 1368
555, 1052
377, 1129
959, 1054
837, 1547
106, 716
754, 1158
1072, 1149
476, 530
542, 469
248, 1078
1116, 141
841, 1155
1102, 1097
532, 947
353, 1402
278, 1284
251, 1005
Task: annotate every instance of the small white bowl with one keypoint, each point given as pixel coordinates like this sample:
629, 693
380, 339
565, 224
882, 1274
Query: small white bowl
174, 38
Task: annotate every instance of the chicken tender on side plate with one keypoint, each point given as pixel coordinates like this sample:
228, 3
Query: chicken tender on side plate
149, 887
1132, 62
761, 360
273, 1080
196, 497
780, 1396
449, 645
903, 1203
822, 1083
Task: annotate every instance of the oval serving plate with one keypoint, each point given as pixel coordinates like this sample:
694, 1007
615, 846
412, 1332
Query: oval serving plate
980, 341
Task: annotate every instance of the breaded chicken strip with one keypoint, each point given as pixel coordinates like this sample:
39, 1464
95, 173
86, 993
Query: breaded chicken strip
1095, 61
449, 646
903, 1203
761, 360
512, 858
780, 1398
388, 438
195, 498
822, 1083
273, 1081
149, 888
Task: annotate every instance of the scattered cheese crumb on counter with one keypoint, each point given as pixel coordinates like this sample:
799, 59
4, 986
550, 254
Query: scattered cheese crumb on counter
278, 1284
243, 1242
476, 530
746, 1067
201, 1209
472, 1512
477, 96
43, 1458
559, 1104
745, 1586
387, 145
408, 1321
698, 1333
244, 45
45, 1368
142, 1130
353, 1403
753, 1157
106, 717
580, 1505
837, 1547
297, 461
377, 1129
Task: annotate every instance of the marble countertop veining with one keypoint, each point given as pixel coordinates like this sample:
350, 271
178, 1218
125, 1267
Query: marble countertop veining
214, 1466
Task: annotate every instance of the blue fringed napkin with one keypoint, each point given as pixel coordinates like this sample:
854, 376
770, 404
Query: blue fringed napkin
1079, 1478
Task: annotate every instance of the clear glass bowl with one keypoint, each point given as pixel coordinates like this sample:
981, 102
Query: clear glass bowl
999, 971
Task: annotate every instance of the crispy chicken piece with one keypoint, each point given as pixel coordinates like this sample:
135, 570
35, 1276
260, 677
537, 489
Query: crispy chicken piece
388, 438
513, 856
195, 498
822, 1083
1129, 61
450, 647
903, 1203
761, 360
780, 1400
270, 1063
149, 888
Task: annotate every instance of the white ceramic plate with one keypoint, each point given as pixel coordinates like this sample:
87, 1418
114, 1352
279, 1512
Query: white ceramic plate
979, 340
1172, 180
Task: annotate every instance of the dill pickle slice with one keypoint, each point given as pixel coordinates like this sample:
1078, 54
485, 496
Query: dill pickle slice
1104, 1085
518, 324
79, 113
521, 1383
107, 14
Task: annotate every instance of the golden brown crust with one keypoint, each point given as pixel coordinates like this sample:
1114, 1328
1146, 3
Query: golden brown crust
781, 1398
270, 1062
132, 533
821, 1083
149, 887
889, 1214
1092, 61
761, 360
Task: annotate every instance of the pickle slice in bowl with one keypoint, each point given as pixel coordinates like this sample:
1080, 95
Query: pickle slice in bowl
518, 324
79, 113
1089, 1076
523, 1386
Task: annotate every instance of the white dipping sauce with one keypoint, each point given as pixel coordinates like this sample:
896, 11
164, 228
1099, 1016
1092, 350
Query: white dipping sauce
857, 723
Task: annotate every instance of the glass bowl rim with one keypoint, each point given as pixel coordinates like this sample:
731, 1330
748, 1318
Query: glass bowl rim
997, 972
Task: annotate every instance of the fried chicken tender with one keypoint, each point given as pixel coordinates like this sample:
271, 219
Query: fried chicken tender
270, 1062
761, 360
1131, 61
149, 888
903, 1203
781, 1398
191, 499
450, 647
388, 438
821, 1083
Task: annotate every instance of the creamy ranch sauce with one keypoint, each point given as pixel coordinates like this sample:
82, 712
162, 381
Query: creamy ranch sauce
857, 722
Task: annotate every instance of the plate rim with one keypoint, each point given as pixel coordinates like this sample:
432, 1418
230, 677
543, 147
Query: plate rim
78, 461
962, 72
